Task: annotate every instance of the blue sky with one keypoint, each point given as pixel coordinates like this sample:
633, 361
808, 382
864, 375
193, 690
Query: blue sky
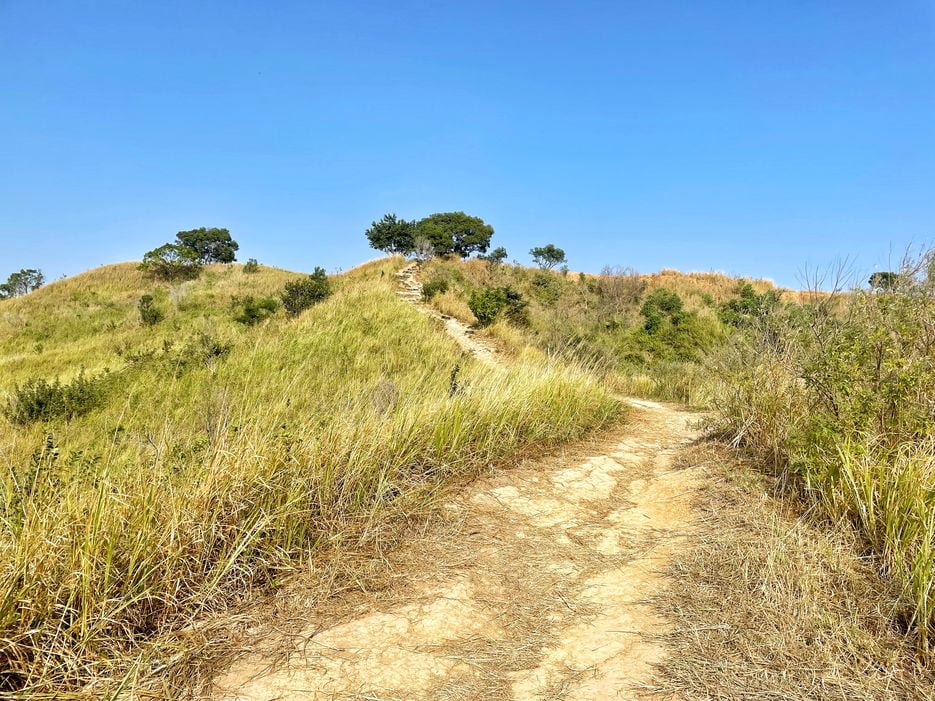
749, 137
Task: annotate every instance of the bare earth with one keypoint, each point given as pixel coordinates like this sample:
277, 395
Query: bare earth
535, 584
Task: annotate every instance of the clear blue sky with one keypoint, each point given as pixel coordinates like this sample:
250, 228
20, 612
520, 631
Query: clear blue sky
750, 137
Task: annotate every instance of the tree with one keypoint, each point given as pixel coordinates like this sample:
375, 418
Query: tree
172, 261
22, 282
495, 257
548, 256
251, 266
392, 235
299, 295
455, 232
212, 245
884, 281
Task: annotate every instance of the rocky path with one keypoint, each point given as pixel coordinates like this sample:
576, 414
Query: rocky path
410, 289
534, 584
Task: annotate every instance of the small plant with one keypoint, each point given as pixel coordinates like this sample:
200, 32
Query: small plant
434, 287
453, 386
253, 310
251, 266
39, 399
299, 295
150, 314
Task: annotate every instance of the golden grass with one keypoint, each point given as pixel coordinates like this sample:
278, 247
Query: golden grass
451, 304
768, 602
188, 490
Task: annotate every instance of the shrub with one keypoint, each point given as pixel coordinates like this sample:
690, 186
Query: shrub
748, 306
434, 287
253, 310
546, 288
299, 295
39, 399
150, 315
251, 266
488, 303
837, 394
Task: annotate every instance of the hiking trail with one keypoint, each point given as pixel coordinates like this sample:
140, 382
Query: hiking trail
536, 583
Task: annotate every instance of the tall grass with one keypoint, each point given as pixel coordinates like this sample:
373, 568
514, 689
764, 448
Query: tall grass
839, 395
187, 490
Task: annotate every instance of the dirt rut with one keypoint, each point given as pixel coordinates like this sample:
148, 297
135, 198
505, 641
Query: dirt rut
534, 583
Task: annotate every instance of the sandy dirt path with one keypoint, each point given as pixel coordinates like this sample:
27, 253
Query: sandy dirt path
534, 583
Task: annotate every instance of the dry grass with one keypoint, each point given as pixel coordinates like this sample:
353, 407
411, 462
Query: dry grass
451, 304
769, 603
125, 532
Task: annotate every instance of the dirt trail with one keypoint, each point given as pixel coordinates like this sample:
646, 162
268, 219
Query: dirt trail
410, 289
535, 584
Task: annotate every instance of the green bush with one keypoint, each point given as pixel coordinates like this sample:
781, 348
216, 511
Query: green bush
150, 314
434, 287
299, 295
252, 310
489, 303
251, 266
748, 306
546, 288
39, 399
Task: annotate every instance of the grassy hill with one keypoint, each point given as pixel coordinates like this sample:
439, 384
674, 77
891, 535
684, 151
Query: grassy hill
205, 458
646, 333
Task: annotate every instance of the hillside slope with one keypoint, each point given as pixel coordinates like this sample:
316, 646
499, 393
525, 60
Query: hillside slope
211, 458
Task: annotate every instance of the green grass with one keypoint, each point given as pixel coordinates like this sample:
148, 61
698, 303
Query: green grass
193, 484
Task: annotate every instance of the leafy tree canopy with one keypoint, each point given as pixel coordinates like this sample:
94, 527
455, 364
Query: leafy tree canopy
392, 235
172, 261
212, 245
22, 282
496, 256
548, 256
455, 232
884, 280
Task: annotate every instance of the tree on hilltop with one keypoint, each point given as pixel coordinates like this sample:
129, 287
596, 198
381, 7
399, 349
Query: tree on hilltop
172, 261
213, 245
22, 282
548, 256
455, 232
392, 235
